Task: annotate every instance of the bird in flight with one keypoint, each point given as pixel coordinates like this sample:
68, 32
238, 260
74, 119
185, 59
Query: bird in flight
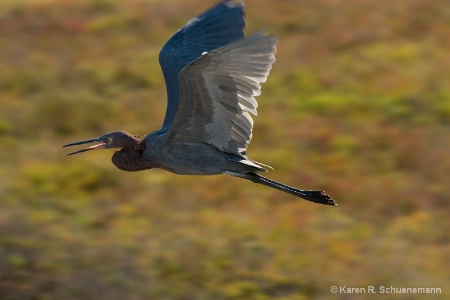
212, 74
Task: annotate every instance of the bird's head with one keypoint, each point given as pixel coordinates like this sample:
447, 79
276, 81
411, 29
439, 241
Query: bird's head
116, 139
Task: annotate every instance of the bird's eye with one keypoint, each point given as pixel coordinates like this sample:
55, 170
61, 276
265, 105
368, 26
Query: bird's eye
110, 139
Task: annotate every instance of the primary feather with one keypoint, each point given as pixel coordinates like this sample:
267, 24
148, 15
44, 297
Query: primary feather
217, 94
214, 28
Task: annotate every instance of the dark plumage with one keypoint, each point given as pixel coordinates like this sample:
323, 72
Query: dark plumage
212, 75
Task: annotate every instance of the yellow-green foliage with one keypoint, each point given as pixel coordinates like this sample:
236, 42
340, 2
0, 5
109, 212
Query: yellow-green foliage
357, 104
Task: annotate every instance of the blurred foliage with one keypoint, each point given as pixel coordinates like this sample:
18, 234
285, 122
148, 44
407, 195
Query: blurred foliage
357, 104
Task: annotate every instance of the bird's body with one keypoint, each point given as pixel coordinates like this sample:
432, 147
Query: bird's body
212, 75
193, 158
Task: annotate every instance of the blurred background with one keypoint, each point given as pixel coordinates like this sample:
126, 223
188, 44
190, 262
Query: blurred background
357, 104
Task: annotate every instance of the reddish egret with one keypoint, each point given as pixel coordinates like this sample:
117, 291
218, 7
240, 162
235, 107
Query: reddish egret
212, 75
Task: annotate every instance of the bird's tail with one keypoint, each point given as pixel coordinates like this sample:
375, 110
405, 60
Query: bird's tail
314, 196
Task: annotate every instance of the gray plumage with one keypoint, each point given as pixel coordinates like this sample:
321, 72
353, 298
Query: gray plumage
208, 126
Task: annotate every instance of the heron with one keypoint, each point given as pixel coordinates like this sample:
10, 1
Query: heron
213, 74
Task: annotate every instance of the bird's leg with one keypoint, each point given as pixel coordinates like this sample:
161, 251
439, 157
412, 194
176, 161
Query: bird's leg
310, 195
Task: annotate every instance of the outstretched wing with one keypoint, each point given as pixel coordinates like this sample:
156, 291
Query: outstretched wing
214, 28
217, 94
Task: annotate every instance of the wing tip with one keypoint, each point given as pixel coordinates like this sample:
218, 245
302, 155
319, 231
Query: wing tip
262, 34
234, 3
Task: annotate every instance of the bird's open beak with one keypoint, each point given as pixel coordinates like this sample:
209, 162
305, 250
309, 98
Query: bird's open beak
96, 140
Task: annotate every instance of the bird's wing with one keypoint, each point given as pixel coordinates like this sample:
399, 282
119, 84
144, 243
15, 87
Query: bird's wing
214, 28
217, 94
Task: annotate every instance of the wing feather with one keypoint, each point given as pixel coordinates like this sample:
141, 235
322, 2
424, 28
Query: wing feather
217, 94
216, 27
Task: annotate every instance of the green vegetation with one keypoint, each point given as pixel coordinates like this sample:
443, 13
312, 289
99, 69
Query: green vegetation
357, 104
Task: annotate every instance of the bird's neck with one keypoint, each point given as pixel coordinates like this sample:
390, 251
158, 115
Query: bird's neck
129, 158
